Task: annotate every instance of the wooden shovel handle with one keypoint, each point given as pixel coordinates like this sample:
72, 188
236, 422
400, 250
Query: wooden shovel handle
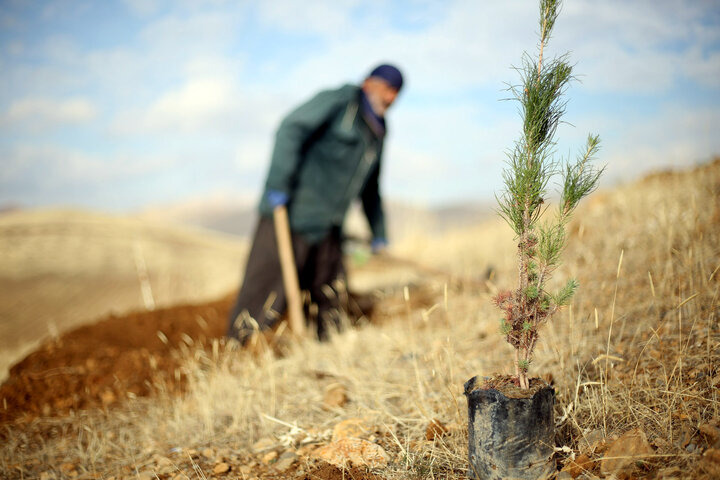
289, 271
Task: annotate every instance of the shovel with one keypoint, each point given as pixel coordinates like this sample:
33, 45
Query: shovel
289, 271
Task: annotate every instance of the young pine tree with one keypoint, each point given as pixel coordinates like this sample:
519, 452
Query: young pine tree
530, 166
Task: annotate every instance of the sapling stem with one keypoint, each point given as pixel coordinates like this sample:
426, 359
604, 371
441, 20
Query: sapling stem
531, 164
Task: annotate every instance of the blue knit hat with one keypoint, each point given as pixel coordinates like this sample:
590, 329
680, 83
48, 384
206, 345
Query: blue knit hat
388, 73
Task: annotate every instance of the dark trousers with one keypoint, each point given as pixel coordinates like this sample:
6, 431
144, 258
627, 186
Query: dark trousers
261, 299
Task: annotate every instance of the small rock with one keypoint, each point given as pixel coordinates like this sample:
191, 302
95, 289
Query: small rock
107, 397
661, 444
710, 433
221, 467
335, 396
164, 464
208, 453
622, 454
710, 462
47, 476
685, 435
285, 461
436, 429
591, 441
347, 452
269, 457
712, 454
245, 470
351, 428
144, 476
582, 464
262, 445
563, 475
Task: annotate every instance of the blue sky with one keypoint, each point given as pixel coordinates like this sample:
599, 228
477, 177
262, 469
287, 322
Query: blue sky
121, 105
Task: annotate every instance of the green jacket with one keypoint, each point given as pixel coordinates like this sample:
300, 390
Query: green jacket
326, 155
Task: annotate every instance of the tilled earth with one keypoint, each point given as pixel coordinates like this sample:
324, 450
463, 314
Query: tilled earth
106, 362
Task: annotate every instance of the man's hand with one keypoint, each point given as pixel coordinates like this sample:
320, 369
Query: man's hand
378, 245
277, 198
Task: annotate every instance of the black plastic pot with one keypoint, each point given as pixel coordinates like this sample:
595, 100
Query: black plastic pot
510, 438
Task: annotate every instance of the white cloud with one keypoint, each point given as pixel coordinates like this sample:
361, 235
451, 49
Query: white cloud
199, 103
213, 105
675, 137
638, 47
58, 165
185, 35
328, 18
143, 8
40, 114
703, 68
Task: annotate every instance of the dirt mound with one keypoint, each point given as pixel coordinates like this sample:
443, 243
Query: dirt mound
109, 361
122, 357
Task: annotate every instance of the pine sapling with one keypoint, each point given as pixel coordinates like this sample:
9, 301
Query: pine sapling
531, 165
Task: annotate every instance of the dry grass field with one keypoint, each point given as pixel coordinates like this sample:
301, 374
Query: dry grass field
634, 362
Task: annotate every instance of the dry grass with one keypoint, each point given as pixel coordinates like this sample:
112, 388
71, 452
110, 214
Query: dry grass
638, 349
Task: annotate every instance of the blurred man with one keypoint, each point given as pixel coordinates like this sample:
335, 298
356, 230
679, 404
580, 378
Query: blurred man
327, 153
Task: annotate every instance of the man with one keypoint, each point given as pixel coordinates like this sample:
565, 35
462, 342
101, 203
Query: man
327, 153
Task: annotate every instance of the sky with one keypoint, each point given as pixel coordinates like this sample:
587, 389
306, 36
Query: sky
120, 105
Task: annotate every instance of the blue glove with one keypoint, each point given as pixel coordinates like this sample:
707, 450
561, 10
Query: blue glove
277, 198
378, 245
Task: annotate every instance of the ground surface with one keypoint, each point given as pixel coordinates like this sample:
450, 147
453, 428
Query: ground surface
635, 362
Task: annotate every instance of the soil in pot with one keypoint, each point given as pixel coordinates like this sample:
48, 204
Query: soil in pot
511, 431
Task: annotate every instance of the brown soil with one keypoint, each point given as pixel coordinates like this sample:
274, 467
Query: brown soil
509, 386
331, 472
109, 361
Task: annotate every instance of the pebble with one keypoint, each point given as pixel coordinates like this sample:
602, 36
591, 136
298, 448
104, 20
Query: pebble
581, 465
335, 396
622, 455
436, 429
351, 428
285, 461
269, 457
262, 445
353, 451
221, 468
591, 441
710, 433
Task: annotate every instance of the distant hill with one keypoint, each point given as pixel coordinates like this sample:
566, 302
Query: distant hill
238, 218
